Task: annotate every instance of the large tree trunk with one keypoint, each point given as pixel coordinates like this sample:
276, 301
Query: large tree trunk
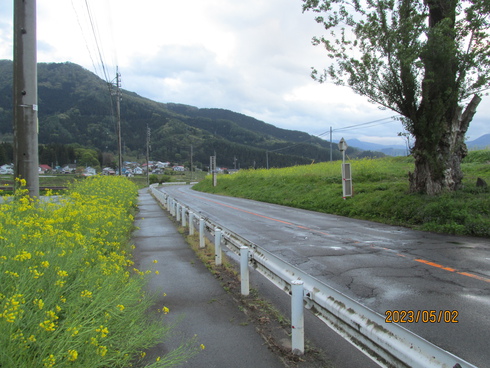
438, 157
439, 126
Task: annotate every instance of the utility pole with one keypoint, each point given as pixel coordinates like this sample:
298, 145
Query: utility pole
192, 164
118, 114
26, 155
148, 147
330, 144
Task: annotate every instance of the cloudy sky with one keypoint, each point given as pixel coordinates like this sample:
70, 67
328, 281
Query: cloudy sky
252, 57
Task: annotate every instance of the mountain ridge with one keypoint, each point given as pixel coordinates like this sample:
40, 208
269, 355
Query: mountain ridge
76, 108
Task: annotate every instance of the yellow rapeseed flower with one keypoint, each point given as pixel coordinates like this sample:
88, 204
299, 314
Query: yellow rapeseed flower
102, 350
22, 256
12, 308
72, 355
39, 303
48, 325
103, 331
49, 361
62, 273
86, 294
13, 274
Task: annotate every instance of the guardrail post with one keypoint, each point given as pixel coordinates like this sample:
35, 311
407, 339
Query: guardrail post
191, 223
244, 272
183, 217
178, 207
201, 233
297, 318
217, 247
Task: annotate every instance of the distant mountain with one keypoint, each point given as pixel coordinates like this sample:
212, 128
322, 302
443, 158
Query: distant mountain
482, 142
400, 150
389, 150
76, 107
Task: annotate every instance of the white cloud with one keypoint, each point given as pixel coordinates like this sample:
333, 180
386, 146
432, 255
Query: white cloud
251, 57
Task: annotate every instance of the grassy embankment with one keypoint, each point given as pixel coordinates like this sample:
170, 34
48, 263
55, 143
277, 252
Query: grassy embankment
380, 193
69, 293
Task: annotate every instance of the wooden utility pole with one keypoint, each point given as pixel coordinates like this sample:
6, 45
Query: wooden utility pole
192, 164
118, 113
148, 147
330, 144
26, 155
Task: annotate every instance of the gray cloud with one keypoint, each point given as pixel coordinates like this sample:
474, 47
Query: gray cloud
251, 57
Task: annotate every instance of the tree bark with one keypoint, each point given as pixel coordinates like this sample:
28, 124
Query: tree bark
438, 162
439, 126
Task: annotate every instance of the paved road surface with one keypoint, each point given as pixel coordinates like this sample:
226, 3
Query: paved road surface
385, 268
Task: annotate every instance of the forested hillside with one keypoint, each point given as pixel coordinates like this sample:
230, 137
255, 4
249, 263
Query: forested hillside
76, 107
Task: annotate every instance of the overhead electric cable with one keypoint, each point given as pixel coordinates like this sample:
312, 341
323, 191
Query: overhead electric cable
369, 123
372, 123
96, 39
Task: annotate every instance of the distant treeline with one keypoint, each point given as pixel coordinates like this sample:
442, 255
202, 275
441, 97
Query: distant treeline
49, 154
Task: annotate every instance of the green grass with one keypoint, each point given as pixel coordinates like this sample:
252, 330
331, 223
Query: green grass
381, 193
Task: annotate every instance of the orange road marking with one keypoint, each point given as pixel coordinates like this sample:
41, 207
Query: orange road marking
429, 263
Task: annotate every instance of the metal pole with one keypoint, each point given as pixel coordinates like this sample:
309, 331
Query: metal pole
26, 155
217, 247
183, 217
297, 318
244, 272
330, 144
201, 233
267, 159
191, 223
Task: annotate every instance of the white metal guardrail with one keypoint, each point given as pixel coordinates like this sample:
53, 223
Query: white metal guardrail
389, 344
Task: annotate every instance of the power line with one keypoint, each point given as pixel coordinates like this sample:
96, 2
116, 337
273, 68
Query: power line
96, 39
369, 123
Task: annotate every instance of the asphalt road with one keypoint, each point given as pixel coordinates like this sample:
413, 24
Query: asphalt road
386, 268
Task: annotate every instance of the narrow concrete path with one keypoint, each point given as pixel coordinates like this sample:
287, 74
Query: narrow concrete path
194, 297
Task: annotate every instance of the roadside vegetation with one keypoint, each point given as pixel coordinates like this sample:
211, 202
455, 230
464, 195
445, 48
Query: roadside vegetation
141, 181
69, 293
381, 193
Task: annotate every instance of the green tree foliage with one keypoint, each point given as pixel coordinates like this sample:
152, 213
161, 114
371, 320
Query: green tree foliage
3, 155
423, 59
56, 154
87, 157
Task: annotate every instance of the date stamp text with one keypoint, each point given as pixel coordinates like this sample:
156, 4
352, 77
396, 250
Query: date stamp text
424, 316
